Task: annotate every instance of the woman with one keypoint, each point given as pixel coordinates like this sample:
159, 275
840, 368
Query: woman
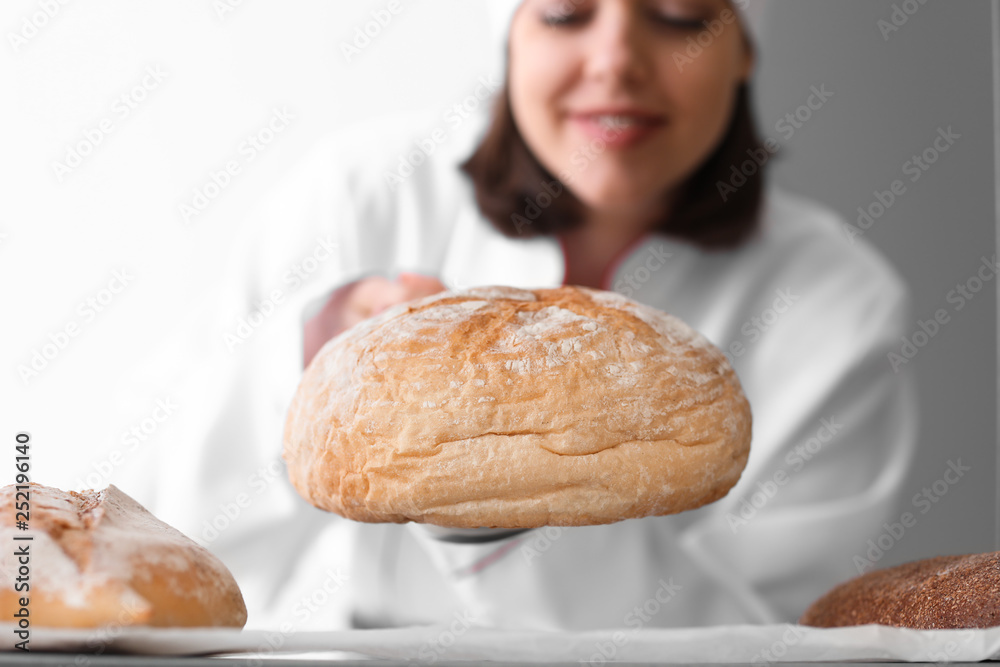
608, 162
602, 93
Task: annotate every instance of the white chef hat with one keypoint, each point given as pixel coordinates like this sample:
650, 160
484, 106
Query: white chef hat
751, 14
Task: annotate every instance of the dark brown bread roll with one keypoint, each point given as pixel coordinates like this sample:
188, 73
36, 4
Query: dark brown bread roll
936, 593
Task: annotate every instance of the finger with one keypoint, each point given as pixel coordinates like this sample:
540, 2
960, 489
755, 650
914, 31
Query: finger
369, 294
389, 296
421, 285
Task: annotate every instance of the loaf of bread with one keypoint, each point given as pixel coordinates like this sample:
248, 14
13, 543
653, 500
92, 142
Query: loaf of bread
498, 407
936, 593
98, 558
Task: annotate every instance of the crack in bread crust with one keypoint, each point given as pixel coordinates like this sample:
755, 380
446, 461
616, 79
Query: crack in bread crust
99, 558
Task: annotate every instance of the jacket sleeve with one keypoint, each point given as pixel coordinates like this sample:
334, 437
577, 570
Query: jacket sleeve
230, 366
835, 429
234, 362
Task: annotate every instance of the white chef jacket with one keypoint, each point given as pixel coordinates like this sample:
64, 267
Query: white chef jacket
806, 317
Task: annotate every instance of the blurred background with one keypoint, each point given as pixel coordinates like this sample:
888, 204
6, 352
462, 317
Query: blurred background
119, 117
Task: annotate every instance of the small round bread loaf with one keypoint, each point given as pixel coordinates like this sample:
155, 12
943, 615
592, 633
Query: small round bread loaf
498, 407
936, 593
98, 558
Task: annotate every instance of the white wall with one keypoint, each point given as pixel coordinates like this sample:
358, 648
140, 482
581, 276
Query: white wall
221, 76
893, 90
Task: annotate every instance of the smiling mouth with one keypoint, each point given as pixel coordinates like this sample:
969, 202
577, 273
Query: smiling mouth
618, 130
622, 121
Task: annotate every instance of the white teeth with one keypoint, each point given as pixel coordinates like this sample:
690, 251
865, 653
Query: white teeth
617, 122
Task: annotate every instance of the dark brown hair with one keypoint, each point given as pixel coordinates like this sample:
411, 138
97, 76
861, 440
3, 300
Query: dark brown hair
718, 207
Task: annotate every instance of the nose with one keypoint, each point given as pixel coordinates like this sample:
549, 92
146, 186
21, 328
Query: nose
616, 49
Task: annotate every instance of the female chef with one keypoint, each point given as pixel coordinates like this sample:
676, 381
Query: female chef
614, 157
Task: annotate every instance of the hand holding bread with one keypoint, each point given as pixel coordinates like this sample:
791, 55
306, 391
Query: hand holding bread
360, 300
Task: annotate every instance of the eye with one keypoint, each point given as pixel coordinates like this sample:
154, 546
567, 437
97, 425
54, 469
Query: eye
557, 18
676, 22
680, 15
